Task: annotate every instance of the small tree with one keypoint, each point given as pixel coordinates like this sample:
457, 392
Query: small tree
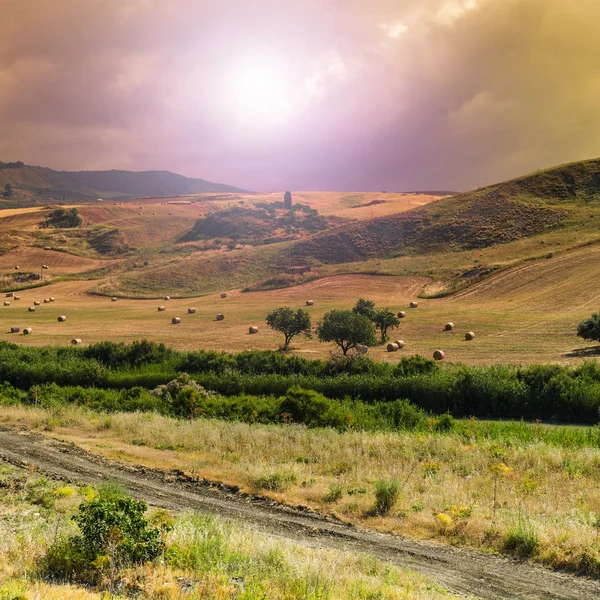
290, 323
346, 329
287, 200
365, 308
383, 320
8, 190
590, 328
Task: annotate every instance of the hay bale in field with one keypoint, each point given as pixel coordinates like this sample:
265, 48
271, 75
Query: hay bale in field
76, 341
399, 343
27, 331
15, 329
62, 319
191, 311
113, 299
16, 297
31, 309
438, 355
167, 297
175, 320
161, 309
414, 304
52, 298
219, 317
362, 349
252, 329
45, 267
46, 300
9, 294
223, 295
469, 336
47, 248
17, 267
401, 314
310, 302
153, 213
392, 348
6, 303
449, 326
36, 303
139, 213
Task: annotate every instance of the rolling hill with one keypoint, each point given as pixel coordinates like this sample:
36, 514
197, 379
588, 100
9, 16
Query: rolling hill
501, 213
41, 183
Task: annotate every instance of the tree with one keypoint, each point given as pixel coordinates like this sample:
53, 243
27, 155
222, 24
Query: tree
365, 308
8, 190
290, 323
383, 320
347, 329
287, 200
63, 218
590, 328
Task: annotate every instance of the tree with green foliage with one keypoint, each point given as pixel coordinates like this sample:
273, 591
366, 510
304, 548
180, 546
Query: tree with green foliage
347, 329
8, 191
365, 308
385, 319
63, 218
287, 200
290, 323
590, 328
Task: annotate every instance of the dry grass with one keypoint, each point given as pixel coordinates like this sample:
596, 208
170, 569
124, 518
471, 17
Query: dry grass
447, 483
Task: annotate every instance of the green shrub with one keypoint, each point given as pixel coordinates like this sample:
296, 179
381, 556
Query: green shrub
278, 481
387, 492
335, 493
522, 540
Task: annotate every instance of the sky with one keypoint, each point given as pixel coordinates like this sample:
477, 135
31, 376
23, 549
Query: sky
361, 95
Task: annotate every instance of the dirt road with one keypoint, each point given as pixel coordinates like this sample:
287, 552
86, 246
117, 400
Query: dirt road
461, 571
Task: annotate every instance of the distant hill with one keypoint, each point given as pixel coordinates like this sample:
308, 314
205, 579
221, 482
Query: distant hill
44, 183
496, 214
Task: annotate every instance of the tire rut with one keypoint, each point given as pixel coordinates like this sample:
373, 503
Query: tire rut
461, 571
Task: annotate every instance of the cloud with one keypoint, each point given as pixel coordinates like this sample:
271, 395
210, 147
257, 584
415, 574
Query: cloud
387, 94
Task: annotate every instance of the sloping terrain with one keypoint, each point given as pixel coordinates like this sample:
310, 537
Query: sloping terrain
497, 214
463, 571
44, 183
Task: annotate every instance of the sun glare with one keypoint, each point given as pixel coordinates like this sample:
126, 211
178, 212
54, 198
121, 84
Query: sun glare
260, 94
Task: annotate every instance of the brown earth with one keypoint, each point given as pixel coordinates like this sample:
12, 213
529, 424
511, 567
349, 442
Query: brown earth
459, 570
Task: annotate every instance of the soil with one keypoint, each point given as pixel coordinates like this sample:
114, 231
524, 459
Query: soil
462, 571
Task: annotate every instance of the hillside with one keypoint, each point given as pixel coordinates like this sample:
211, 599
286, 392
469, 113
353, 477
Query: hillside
497, 214
42, 183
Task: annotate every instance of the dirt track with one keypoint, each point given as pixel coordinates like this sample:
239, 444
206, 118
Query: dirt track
461, 571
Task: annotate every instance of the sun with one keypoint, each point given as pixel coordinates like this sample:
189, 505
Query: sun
260, 93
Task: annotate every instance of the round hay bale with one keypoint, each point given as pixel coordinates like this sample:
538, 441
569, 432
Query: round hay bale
223, 295
16, 297
113, 299
46, 300
9, 294
15, 329
76, 341
469, 336
191, 311
399, 343
392, 347
51, 298
47, 248
401, 314
252, 329
6, 303
31, 309
414, 304
438, 355
167, 297
62, 319
161, 309
449, 326
310, 302
362, 349
175, 320
36, 303
45, 267
219, 317
139, 213
27, 331
17, 267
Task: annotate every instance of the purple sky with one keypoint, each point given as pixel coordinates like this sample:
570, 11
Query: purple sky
302, 94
